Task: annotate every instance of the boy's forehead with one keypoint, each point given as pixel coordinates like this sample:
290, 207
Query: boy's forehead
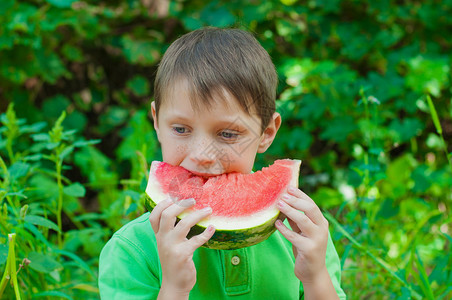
181, 97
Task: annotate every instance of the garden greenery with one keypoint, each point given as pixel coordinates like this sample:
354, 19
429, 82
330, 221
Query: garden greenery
365, 96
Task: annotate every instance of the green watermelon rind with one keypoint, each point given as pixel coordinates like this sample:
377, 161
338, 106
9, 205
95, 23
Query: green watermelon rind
230, 239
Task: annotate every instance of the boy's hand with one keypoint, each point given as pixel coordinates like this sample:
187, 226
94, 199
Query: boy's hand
175, 250
309, 238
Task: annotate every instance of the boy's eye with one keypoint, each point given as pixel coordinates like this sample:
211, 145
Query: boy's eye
179, 129
228, 135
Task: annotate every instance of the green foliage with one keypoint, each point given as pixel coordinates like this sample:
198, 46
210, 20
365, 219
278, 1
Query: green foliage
57, 240
365, 96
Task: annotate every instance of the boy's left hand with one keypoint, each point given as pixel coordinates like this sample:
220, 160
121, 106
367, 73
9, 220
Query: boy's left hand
309, 235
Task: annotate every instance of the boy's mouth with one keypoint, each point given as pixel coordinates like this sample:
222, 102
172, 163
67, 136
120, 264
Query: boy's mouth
203, 174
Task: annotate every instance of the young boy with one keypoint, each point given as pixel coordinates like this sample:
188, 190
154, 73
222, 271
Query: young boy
216, 88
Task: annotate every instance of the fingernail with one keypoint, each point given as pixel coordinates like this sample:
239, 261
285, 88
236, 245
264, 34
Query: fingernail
210, 228
281, 203
278, 223
187, 202
285, 196
207, 209
291, 189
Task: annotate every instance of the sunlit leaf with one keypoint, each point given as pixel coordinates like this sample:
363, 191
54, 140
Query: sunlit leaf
74, 190
41, 221
43, 263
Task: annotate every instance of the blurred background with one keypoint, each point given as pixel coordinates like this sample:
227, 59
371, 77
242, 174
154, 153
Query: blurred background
364, 92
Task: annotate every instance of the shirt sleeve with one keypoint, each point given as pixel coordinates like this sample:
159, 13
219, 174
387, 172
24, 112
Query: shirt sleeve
125, 272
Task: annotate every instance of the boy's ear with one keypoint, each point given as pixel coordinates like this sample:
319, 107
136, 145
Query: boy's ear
269, 133
154, 117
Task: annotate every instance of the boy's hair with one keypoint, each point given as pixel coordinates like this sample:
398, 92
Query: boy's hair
215, 60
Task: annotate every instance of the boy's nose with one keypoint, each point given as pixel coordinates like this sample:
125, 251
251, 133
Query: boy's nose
203, 153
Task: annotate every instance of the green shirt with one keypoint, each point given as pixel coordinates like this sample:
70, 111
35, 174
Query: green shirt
129, 268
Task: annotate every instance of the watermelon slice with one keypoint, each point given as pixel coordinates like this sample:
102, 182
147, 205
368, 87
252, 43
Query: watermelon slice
243, 205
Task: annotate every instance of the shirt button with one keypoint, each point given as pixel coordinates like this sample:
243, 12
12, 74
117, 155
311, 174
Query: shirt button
235, 260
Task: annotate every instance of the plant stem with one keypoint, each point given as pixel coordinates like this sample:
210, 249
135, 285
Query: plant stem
439, 129
9, 148
6, 276
60, 201
12, 240
10, 271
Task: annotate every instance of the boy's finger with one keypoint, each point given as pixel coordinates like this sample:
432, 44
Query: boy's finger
291, 236
199, 240
184, 225
156, 213
302, 221
169, 215
302, 202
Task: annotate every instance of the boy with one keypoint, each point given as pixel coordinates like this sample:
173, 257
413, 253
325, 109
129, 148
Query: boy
216, 88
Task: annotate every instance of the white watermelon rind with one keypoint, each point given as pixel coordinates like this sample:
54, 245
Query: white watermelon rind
229, 233
224, 239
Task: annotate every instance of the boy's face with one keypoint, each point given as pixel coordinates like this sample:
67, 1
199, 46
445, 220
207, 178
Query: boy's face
207, 142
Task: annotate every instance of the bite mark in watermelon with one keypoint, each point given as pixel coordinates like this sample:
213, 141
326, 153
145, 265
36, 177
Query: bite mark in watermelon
243, 205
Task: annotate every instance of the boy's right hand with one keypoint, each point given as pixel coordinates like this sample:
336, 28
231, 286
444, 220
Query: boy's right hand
175, 250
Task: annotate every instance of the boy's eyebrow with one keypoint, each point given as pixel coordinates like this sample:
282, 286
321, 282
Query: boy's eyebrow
230, 122
178, 116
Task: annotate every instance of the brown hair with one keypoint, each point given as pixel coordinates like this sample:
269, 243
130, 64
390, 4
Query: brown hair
215, 60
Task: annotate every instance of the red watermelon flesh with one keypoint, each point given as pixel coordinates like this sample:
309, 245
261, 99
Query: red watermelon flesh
231, 194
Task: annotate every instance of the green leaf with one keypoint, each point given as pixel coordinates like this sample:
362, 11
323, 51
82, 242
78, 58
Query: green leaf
72, 53
74, 190
77, 259
75, 120
56, 133
424, 282
53, 107
18, 169
422, 179
3, 253
191, 23
41, 137
113, 117
388, 209
299, 139
36, 127
58, 294
6, 5
428, 75
89, 216
96, 166
139, 51
339, 129
41, 221
138, 133
50, 66
6, 42
406, 129
288, 2
43, 263
434, 115
61, 3
66, 151
39, 236
83, 143
132, 194
218, 17
139, 86
328, 197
